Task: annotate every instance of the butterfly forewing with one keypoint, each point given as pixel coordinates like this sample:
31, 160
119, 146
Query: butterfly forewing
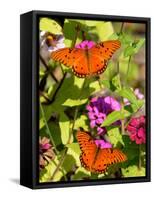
88, 149
100, 54
74, 58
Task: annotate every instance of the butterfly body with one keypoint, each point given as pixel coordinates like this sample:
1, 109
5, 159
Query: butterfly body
87, 61
95, 159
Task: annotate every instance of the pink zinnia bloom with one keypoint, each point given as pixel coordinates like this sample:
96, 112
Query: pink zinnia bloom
103, 144
85, 44
136, 128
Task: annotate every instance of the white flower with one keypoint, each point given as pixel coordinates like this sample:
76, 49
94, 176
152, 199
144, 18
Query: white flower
50, 42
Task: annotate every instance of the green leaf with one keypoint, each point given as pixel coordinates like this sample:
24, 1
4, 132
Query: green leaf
104, 30
128, 94
138, 45
50, 25
47, 172
133, 171
74, 150
69, 163
116, 82
131, 149
70, 31
64, 128
81, 174
82, 122
114, 136
132, 108
95, 86
73, 94
134, 48
113, 117
129, 51
127, 111
113, 84
133, 73
73, 102
125, 39
108, 84
54, 130
70, 89
74, 147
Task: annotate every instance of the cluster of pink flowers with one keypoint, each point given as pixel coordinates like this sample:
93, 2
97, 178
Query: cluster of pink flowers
136, 128
98, 109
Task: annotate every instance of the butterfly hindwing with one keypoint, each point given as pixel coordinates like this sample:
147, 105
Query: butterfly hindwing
107, 157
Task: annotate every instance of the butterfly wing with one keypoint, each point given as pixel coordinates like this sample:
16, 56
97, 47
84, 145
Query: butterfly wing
74, 58
88, 149
107, 157
100, 54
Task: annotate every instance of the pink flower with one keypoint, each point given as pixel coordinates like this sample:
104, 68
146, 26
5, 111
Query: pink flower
103, 144
138, 94
45, 152
136, 128
85, 44
98, 109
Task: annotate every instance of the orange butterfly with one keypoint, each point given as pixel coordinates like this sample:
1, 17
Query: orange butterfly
95, 159
87, 61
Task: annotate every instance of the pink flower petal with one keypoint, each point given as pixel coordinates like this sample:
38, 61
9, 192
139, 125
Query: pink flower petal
92, 123
89, 108
85, 44
103, 144
91, 115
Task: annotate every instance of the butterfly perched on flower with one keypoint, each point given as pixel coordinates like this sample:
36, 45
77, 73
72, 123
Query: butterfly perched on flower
87, 58
94, 158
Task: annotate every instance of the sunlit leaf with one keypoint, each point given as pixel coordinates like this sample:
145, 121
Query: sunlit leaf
115, 137
64, 128
81, 122
47, 173
81, 174
50, 25
113, 117
74, 150
133, 171
128, 94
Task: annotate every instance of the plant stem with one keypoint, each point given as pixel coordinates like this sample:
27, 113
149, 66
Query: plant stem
60, 163
122, 120
47, 128
76, 36
121, 28
140, 160
100, 85
47, 68
60, 170
56, 91
128, 67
